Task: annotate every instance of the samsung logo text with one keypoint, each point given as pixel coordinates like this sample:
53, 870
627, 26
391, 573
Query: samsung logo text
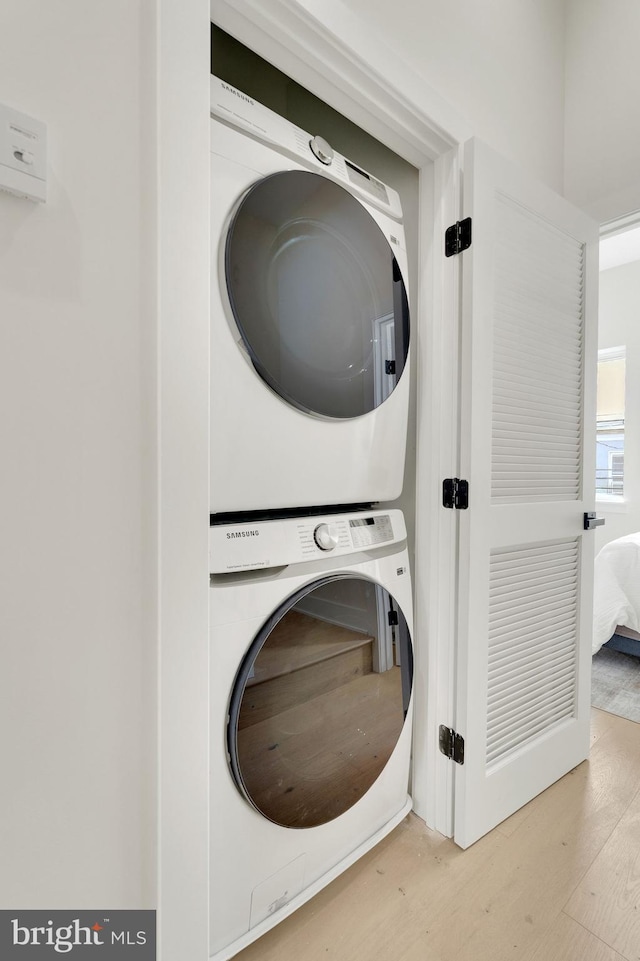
236, 93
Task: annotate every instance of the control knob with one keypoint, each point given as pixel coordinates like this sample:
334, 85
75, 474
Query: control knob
322, 150
325, 537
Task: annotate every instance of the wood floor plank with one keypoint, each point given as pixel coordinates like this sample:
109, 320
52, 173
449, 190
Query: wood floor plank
615, 760
566, 940
607, 902
511, 824
600, 721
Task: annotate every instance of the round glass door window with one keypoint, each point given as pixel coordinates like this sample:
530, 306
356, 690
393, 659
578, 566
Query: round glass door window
317, 295
320, 701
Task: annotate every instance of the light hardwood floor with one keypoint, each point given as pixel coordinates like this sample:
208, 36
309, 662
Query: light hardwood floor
558, 881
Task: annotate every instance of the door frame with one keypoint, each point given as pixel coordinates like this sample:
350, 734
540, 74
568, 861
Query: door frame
330, 50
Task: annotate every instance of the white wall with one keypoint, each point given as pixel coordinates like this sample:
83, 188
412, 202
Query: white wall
602, 136
619, 326
77, 676
500, 63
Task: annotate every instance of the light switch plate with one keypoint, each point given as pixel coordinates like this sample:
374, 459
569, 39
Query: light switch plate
23, 155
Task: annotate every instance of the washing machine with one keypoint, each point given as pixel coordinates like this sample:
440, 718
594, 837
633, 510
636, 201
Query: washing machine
309, 319
311, 699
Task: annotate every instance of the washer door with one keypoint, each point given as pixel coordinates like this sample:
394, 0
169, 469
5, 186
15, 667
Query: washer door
320, 701
317, 295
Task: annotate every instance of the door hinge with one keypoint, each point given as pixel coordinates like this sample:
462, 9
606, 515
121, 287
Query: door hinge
457, 237
393, 618
389, 366
451, 744
455, 493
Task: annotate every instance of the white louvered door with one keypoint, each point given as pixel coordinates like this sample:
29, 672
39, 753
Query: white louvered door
529, 341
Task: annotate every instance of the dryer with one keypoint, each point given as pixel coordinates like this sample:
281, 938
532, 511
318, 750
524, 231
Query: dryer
309, 319
311, 699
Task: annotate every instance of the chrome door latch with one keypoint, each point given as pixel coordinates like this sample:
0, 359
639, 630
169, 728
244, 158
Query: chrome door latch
591, 521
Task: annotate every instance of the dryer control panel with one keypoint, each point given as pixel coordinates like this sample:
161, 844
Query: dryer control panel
234, 106
294, 540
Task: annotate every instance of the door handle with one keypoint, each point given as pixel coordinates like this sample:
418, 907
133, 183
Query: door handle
591, 521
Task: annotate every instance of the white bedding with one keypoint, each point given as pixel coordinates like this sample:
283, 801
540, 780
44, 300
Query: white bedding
616, 589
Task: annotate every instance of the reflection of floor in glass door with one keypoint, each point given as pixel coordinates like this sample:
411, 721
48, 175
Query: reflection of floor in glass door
303, 657
317, 725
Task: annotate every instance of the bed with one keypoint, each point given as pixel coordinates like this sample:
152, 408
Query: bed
616, 602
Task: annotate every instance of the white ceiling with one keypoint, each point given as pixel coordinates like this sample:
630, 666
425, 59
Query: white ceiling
620, 249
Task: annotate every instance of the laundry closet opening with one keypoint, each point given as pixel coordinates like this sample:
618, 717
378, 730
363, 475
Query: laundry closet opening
236, 64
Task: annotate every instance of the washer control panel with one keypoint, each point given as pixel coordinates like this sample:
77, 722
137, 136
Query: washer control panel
296, 540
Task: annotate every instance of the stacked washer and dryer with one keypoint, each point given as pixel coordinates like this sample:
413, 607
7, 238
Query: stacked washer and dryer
311, 605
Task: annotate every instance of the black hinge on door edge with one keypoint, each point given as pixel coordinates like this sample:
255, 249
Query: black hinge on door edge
455, 493
389, 366
457, 237
393, 618
451, 744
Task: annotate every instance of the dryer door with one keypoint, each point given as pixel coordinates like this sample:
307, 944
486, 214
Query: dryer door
317, 295
320, 701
